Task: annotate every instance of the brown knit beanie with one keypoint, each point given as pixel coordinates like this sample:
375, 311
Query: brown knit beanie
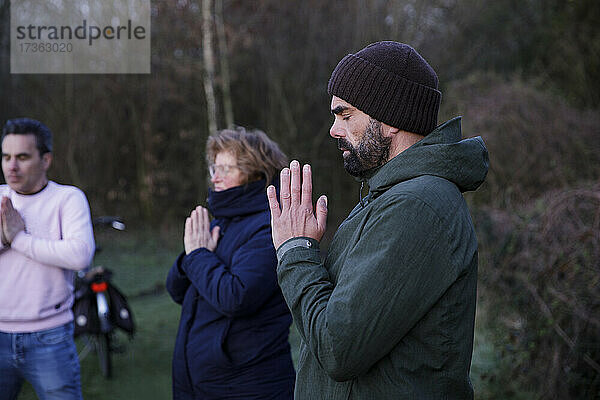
392, 83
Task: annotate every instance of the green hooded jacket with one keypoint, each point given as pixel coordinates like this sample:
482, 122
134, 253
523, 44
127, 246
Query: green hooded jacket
390, 312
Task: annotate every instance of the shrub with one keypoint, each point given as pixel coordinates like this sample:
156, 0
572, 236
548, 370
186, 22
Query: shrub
538, 222
542, 269
536, 141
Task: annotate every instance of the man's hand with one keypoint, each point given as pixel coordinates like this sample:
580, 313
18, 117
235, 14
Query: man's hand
12, 222
197, 232
296, 216
2, 237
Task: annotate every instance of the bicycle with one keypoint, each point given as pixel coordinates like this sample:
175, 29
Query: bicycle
100, 308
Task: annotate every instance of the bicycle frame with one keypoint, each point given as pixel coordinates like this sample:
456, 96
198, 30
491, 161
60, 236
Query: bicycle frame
97, 280
102, 304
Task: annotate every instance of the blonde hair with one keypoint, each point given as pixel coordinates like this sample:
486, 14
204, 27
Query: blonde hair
258, 157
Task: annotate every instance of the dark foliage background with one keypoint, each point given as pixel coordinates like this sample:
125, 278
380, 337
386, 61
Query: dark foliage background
523, 74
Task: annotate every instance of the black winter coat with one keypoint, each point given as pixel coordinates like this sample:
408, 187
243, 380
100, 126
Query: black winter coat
233, 333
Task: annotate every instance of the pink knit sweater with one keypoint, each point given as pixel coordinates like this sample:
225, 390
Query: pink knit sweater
36, 271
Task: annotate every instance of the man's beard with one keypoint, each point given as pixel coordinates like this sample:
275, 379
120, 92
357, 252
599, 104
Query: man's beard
372, 150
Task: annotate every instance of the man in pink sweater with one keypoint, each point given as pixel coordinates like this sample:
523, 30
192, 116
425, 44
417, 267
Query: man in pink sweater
46, 235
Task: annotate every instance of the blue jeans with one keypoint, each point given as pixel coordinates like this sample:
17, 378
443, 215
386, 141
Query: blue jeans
46, 359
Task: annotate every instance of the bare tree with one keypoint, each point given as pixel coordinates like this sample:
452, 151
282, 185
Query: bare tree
209, 65
224, 64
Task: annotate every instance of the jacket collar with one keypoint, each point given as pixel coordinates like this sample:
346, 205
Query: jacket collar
441, 153
240, 200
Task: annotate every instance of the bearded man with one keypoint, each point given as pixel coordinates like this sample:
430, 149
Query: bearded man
389, 313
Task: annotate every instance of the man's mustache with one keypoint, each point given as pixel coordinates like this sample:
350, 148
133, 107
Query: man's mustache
343, 144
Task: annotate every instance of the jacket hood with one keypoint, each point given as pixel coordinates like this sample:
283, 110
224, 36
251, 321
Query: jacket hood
240, 200
442, 153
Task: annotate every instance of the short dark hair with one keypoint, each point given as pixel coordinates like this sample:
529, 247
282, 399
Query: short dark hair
29, 126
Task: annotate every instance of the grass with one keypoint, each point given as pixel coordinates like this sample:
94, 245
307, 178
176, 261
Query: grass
140, 261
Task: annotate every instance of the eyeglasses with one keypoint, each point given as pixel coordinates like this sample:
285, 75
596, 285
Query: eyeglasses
214, 169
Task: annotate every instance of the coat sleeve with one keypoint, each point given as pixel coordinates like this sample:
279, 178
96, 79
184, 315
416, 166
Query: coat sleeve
396, 269
177, 281
240, 288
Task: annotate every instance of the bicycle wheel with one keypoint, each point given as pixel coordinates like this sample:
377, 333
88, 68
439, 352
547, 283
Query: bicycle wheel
104, 357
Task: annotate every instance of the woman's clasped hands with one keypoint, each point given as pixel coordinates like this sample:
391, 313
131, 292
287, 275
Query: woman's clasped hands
197, 233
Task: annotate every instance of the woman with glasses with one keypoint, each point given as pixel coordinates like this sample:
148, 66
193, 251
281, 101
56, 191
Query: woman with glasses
232, 341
